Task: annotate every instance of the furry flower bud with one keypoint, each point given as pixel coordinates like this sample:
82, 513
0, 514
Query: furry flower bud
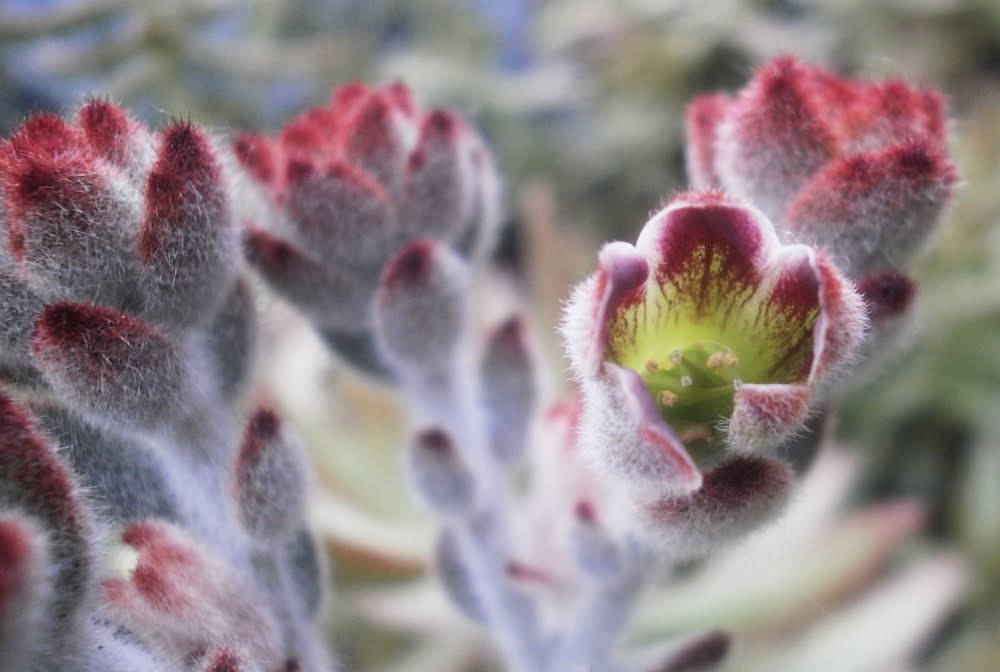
439, 474
509, 390
351, 185
25, 593
860, 168
420, 310
113, 365
270, 479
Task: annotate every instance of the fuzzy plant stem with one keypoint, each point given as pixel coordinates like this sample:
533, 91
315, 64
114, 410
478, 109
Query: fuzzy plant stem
600, 618
483, 534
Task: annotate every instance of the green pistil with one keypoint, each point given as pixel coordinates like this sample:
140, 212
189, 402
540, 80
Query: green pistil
694, 387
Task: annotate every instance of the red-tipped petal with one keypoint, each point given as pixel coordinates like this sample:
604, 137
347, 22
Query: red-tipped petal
25, 592
508, 390
375, 142
328, 295
260, 156
188, 239
765, 415
270, 479
623, 429
888, 294
774, 138
841, 328
48, 137
422, 291
37, 482
704, 114
736, 497
592, 315
343, 214
112, 365
703, 653
109, 130
438, 193
875, 209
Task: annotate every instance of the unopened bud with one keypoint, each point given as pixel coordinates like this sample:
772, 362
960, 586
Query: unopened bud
439, 473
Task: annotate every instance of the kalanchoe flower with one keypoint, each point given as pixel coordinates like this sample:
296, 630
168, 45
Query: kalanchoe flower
707, 338
350, 184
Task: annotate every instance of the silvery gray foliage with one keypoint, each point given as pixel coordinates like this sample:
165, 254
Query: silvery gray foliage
142, 529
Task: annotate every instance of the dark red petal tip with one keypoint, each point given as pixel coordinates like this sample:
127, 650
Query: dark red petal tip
258, 155
888, 294
413, 265
436, 441
106, 127
45, 135
261, 430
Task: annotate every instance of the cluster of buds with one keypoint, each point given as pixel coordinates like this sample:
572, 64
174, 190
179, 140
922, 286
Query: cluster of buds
347, 186
139, 530
707, 344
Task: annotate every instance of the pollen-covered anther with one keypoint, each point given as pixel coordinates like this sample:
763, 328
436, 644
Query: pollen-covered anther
668, 398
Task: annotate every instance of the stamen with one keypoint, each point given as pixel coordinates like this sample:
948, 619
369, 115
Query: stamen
717, 360
668, 398
686, 381
737, 383
676, 357
730, 359
695, 433
652, 366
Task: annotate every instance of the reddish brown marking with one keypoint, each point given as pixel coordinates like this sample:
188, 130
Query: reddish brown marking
268, 251
522, 572
46, 136
107, 128
258, 155
695, 238
225, 660
145, 534
293, 665
585, 512
349, 95
401, 96
703, 654
732, 486
372, 130
185, 175
17, 549
888, 294
260, 434
703, 116
414, 265
94, 340
436, 441
439, 123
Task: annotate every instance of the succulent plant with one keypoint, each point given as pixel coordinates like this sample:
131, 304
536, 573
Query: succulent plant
153, 519
129, 334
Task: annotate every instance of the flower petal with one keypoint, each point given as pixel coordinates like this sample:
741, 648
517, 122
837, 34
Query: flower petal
875, 208
593, 311
765, 415
842, 325
623, 430
737, 496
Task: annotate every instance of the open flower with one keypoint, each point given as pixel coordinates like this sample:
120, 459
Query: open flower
705, 340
